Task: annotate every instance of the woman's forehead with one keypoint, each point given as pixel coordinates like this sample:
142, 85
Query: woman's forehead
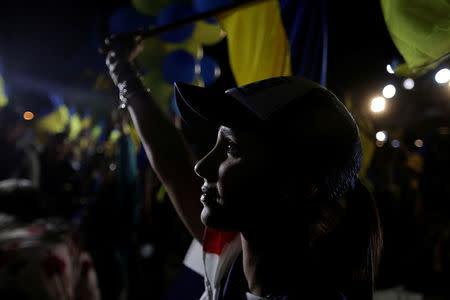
226, 130
248, 138
234, 133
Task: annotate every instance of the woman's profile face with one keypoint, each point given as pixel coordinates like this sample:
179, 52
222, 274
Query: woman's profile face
238, 180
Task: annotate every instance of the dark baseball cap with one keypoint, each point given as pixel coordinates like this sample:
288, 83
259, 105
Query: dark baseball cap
258, 104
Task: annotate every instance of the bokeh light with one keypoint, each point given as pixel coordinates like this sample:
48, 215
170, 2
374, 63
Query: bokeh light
147, 250
395, 143
408, 83
389, 91
381, 136
418, 143
444, 130
28, 115
389, 69
378, 104
442, 76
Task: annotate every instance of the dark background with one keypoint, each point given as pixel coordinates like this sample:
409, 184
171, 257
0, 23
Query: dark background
48, 45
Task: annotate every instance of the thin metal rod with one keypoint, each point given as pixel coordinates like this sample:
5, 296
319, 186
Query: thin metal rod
207, 14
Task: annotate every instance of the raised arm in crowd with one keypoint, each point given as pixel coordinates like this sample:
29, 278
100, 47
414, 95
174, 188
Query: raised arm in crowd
166, 148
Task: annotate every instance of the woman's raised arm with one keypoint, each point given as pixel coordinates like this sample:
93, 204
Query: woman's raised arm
166, 148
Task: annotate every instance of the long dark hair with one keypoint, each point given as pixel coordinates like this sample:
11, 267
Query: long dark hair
346, 242
363, 236
344, 231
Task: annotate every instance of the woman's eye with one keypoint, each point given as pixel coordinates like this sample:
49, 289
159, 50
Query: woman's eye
231, 148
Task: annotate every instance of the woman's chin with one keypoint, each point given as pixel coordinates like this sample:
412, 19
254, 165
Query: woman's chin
209, 218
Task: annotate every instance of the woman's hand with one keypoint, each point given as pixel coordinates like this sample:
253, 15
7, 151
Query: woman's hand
121, 50
123, 46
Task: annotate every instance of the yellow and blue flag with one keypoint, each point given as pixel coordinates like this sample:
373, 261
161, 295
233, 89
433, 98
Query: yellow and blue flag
86, 120
97, 131
75, 124
3, 94
276, 38
421, 32
56, 118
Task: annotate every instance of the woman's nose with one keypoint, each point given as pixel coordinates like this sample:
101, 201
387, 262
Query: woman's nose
207, 167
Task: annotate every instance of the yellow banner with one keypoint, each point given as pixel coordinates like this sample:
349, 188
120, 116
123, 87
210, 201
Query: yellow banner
257, 44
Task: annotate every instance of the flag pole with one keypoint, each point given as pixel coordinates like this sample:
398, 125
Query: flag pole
207, 14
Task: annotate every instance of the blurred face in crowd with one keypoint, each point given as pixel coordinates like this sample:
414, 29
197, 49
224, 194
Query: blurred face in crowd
239, 180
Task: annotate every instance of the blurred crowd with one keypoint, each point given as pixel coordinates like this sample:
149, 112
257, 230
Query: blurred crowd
88, 220
103, 194
409, 180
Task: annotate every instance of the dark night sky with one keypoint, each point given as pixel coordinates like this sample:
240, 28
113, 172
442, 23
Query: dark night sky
46, 44
49, 45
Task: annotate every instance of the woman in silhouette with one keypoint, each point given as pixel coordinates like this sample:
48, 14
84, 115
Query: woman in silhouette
277, 202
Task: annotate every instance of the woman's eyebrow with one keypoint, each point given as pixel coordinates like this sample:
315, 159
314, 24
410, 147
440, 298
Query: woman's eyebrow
226, 130
228, 133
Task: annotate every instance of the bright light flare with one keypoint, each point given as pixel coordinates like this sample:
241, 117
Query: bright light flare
381, 136
28, 115
378, 104
408, 83
217, 71
389, 91
442, 76
389, 69
444, 130
418, 143
395, 143
147, 250
197, 69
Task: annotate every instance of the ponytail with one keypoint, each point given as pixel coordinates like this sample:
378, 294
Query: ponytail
362, 233
345, 243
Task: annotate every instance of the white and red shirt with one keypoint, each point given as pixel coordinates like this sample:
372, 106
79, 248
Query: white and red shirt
214, 259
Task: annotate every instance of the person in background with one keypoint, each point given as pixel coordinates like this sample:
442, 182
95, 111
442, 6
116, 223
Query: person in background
19, 157
60, 182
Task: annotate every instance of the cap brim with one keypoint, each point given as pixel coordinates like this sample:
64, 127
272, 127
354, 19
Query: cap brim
204, 106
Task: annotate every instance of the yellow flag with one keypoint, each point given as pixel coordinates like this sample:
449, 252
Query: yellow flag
258, 47
420, 29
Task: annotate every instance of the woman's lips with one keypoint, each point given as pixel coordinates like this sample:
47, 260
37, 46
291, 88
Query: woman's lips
210, 195
210, 199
